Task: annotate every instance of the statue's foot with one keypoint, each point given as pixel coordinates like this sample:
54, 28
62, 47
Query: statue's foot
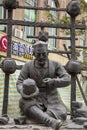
4, 120
58, 124
20, 120
85, 125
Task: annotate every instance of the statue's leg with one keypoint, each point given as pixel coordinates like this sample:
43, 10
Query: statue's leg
39, 116
58, 112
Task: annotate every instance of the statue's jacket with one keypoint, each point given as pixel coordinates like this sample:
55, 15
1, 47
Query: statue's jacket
48, 95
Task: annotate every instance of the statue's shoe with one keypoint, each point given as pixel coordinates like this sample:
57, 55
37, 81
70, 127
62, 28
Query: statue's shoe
4, 120
85, 125
58, 124
20, 120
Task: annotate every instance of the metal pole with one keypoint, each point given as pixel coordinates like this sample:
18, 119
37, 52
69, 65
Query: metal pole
73, 57
6, 82
80, 87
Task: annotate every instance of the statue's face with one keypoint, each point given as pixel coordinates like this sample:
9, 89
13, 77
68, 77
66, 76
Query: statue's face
41, 55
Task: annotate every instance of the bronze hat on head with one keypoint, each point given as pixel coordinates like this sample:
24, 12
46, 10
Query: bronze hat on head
29, 89
40, 45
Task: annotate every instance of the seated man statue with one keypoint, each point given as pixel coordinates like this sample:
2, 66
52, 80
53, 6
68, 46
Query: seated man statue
37, 83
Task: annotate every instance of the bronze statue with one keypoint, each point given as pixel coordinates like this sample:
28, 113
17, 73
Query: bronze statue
46, 76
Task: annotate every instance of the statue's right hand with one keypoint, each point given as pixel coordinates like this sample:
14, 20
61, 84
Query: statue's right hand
48, 81
43, 85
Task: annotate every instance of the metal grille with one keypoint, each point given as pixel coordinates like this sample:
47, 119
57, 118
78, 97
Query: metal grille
72, 26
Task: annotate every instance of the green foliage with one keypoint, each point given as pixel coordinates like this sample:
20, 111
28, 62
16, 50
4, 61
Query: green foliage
83, 5
50, 17
64, 20
82, 20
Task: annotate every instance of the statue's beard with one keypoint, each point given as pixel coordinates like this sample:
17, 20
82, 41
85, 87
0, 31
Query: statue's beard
41, 62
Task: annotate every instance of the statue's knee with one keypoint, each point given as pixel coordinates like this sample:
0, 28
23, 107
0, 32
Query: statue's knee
63, 116
29, 110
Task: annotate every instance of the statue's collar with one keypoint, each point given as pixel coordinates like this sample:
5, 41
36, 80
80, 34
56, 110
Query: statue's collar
38, 66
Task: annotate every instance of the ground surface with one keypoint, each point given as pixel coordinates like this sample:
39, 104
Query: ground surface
68, 125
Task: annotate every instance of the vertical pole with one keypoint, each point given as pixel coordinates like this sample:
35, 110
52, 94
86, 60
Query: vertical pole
6, 83
73, 57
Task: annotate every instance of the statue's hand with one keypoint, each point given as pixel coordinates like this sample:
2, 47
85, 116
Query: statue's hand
20, 88
48, 81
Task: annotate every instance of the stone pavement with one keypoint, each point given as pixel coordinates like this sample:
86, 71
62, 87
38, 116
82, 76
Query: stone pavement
68, 125
39, 127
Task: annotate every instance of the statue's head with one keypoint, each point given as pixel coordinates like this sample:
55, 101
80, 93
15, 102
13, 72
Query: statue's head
41, 52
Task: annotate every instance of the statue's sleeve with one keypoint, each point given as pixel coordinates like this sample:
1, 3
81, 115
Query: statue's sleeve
63, 78
24, 74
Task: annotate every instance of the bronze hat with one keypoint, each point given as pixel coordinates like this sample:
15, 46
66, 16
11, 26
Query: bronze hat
29, 89
40, 45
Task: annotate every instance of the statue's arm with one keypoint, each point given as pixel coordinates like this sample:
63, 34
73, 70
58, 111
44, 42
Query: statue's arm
61, 77
24, 74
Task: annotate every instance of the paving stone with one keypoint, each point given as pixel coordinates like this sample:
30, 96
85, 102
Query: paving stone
68, 125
